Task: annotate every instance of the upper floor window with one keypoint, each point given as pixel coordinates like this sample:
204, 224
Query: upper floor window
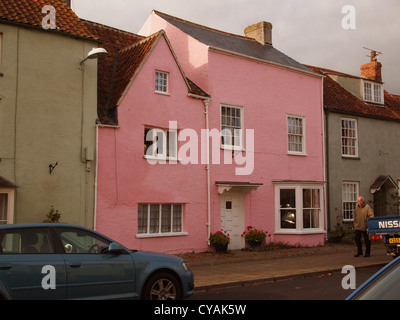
231, 127
295, 132
161, 83
349, 137
373, 92
160, 143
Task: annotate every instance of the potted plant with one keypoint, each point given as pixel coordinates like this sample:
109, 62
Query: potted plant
220, 240
254, 237
53, 216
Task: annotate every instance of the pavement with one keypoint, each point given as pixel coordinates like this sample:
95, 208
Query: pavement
235, 268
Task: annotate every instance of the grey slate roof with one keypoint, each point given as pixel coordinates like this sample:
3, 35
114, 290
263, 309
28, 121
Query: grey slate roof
234, 43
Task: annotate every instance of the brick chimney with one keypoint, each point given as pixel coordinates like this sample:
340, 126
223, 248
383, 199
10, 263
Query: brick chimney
372, 70
261, 32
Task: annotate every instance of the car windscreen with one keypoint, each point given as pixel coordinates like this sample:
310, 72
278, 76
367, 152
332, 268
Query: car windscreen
385, 287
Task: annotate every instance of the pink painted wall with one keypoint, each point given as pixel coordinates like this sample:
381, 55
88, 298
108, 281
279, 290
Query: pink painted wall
266, 94
125, 178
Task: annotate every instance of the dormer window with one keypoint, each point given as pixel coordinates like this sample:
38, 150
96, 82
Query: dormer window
373, 92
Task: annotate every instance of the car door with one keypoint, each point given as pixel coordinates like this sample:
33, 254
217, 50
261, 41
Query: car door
93, 272
29, 266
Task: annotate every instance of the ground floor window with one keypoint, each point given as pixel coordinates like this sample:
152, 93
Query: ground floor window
6, 205
299, 208
349, 199
160, 219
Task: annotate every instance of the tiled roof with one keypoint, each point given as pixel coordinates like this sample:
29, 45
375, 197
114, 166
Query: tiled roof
29, 13
233, 43
113, 40
338, 99
126, 53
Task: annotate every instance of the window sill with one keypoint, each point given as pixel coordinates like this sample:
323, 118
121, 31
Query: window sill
350, 157
158, 235
162, 93
301, 232
292, 153
172, 159
232, 148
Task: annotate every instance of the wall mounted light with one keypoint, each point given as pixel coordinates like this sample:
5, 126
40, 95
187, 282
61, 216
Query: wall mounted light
95, 53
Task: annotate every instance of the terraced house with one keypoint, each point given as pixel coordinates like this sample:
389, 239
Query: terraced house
208, 130
48, 112
362, 122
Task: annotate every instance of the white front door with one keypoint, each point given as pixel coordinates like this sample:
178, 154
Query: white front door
232, 218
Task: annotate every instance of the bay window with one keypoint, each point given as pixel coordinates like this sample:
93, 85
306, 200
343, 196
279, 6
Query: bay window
299, 207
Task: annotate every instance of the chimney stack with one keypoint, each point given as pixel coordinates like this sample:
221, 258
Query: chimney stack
67, 3
372, 70
261, 32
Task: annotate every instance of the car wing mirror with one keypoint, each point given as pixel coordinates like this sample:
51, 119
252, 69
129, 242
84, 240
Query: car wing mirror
115, 248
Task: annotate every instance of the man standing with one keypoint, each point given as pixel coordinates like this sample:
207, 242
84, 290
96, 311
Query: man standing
361, 213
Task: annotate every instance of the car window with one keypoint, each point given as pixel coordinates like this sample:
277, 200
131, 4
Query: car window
82, 241
25, 241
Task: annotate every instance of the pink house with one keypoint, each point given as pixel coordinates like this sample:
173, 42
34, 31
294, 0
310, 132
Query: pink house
239, 144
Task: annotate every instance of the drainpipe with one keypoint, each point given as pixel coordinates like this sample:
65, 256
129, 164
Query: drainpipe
206, 103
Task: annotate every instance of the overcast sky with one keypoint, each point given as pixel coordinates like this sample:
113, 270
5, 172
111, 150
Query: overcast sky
309, 31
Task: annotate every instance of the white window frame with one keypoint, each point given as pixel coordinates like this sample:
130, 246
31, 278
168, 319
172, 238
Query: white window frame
350, 193
373, 92
161, 83
160, 232
230, 123
348, 137
168, 144
296, 135
1, 53
299, 208
9, 219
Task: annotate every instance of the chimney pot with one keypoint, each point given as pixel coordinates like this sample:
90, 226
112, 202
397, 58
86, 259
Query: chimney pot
261, 32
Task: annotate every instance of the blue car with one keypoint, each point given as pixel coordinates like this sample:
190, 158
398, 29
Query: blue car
383, 285
62, 261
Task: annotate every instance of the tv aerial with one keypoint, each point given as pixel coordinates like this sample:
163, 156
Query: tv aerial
374, 53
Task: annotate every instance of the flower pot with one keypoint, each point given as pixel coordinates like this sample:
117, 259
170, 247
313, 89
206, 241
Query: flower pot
254, 244
222, 248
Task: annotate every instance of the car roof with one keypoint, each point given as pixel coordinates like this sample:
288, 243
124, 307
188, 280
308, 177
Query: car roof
42, 225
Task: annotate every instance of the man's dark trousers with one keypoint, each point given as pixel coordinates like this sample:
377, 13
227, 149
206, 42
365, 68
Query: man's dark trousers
357, 236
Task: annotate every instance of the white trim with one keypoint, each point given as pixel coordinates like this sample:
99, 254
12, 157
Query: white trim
166, 92
355, 120
298, 188
157, 235
10, 203
303, 152
373, 84
232, 146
